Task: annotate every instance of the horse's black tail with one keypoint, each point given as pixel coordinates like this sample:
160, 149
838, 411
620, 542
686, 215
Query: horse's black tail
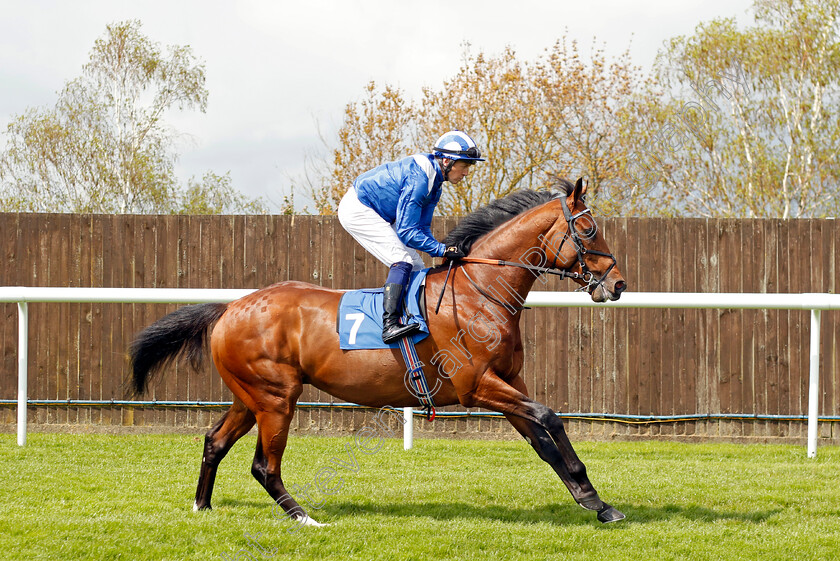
183, 332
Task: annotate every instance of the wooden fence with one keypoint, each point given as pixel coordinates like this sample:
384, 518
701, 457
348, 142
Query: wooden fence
634, 362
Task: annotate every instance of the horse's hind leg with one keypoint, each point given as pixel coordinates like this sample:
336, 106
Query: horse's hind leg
273, 434
235, 423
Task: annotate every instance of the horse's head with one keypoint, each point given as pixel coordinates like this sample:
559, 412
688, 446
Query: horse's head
576, 244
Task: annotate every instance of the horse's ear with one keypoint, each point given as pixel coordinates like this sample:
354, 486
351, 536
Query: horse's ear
580, 188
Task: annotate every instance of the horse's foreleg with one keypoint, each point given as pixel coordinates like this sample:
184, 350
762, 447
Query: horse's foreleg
555, 427
545, 432
547, 450
543, 443
235, 423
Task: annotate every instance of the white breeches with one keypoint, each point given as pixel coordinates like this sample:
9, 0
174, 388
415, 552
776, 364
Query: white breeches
374, 233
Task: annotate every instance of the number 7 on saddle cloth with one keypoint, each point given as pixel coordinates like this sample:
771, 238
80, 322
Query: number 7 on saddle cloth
359, 321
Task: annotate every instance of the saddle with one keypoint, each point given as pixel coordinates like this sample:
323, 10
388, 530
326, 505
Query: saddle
359, 318
359, 326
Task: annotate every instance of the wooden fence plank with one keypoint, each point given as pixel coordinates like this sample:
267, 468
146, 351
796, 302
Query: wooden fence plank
113, 252
773, 359
10, 238
828, 365
620, 330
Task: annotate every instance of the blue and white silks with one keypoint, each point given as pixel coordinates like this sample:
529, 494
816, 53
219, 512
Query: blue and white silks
405, 194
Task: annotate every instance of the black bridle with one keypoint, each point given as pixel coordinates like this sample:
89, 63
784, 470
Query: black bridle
585, 275
581, 251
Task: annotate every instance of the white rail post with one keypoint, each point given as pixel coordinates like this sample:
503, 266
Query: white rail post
408, 428
23, 375
814, 384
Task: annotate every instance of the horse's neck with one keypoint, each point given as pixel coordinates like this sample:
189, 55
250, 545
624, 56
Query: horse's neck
513, 241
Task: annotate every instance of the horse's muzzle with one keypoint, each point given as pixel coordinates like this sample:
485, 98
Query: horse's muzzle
604, 291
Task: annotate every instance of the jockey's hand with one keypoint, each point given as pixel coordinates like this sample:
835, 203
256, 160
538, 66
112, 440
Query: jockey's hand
454, 252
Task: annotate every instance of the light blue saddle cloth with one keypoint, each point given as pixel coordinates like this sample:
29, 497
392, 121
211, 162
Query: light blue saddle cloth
359, 321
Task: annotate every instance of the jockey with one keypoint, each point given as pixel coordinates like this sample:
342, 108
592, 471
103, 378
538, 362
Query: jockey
389, 209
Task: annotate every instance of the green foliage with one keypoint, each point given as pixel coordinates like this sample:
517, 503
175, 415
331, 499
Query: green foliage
287, 207
587, 106
214, 194
760, 138
495, 101
108, 497
105, 147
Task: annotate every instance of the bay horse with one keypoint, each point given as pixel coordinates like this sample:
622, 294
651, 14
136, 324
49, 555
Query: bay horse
268, 344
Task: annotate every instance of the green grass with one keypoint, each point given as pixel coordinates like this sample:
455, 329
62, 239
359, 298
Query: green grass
130, 497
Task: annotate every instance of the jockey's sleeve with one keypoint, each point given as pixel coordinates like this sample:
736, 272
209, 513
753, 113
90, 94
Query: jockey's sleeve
414, 215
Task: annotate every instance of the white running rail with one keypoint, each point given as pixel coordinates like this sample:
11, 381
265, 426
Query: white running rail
815, 302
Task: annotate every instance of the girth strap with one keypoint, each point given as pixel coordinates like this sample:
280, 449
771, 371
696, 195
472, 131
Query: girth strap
417, 377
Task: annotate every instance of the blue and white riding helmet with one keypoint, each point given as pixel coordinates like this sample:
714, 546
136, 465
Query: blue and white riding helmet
456, 145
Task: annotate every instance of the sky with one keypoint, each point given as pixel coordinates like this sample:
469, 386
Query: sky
280, 73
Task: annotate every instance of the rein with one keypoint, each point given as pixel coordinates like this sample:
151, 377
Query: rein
586, 276
490, 296
549, 270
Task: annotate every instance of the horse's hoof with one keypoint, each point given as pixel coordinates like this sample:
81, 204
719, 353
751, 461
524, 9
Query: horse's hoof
609, 514
197, 508
592, 503
307, 520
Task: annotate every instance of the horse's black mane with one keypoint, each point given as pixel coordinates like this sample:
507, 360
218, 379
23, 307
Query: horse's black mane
499, 211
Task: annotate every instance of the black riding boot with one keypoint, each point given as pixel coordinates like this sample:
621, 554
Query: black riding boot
392, 329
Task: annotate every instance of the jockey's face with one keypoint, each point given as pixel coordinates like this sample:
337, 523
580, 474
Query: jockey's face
460, 169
